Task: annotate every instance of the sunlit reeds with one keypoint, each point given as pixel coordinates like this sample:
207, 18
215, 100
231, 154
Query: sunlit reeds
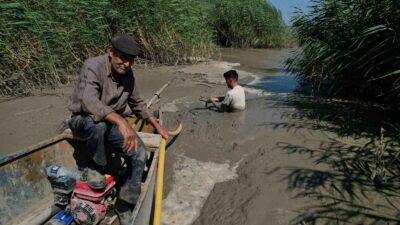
350, 46
43, 43
251, 23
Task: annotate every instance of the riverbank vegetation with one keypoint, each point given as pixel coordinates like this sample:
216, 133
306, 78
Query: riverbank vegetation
251, 23
43, 43
351, 47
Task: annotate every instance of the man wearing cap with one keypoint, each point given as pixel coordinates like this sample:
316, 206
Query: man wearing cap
106, 85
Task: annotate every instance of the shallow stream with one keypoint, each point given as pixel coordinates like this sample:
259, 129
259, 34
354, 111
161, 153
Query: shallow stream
292, 158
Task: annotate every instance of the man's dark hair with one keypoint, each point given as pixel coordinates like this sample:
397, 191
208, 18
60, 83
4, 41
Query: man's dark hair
231, 74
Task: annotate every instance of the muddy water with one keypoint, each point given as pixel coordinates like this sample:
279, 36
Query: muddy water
286, 158
267, 66
246, 141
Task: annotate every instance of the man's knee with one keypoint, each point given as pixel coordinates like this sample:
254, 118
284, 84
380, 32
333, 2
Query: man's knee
95, 131
99, 128
86, 127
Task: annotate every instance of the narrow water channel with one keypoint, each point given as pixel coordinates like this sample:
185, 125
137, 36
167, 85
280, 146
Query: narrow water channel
303, 159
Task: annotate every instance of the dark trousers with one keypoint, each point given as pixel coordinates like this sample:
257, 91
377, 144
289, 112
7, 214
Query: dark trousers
97, 136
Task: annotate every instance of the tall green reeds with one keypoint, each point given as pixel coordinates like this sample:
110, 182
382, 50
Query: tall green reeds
172, 31
251, 23
44, 42
351, 46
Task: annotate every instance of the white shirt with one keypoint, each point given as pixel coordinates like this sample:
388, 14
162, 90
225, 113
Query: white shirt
235, 99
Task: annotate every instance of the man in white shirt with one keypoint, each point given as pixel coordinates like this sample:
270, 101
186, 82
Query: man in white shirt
235, 99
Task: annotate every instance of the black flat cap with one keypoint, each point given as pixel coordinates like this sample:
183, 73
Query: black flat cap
125, 44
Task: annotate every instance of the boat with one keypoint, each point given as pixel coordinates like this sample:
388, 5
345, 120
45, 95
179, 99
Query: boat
26, 196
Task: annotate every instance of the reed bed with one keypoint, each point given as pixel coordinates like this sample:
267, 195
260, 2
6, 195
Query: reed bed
349, 49
251, 23
43, 43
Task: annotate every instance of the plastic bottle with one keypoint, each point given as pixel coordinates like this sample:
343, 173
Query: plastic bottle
61, 171
61, 218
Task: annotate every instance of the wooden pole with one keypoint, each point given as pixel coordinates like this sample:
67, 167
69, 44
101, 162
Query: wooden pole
157, 94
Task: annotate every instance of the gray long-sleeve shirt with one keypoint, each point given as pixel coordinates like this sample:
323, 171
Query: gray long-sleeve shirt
98, 93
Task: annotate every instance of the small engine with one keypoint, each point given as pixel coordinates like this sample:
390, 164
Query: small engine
89, 206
